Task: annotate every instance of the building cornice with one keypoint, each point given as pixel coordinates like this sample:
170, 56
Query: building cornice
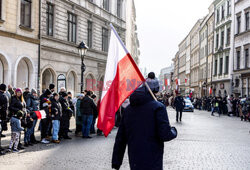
19, 37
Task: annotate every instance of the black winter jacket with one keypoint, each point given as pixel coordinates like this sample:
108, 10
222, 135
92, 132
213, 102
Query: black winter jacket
144, 128
88, 106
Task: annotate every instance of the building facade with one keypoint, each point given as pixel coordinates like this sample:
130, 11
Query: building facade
165, 78
210, 45
132, 41
194, 64
241, 61
223, 51
19, 30
182, 66
64, 24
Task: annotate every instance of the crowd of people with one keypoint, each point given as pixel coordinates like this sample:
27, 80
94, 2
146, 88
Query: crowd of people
229, 105
20, 109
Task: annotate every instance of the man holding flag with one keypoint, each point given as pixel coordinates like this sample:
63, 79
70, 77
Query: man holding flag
144, 126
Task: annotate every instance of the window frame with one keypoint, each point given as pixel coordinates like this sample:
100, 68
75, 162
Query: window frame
90, 34
238, 24
228, 35
119, 8
105, 36
246, 52
222, 38
215, 67
22, 13
221, 66
227, 64
72, 38
238, 59
247, 20
48, 14
106, 5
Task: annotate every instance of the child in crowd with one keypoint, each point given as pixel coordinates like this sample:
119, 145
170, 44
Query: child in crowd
16, 129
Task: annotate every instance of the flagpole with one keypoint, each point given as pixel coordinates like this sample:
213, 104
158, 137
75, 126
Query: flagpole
117, 35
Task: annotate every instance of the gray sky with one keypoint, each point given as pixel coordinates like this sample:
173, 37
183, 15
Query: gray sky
162, 25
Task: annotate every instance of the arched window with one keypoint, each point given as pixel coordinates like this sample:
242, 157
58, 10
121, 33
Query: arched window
22, 74
71, 83
47, 78
1, 72
90, 82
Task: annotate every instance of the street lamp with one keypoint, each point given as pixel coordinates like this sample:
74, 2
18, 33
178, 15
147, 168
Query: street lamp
82, 49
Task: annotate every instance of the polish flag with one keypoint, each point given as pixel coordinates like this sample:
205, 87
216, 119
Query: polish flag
166, 82
186, 80
122, 77
41, 114
210, 90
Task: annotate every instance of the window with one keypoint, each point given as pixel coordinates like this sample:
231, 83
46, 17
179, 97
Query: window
247, 20
228, 35
106, 4
227, 65
221, 65
238, 24
104, 39
218, 15
222, 12
228, 7
238, 59
222, 38
217, 41
246, 57
90, 32
26, 13
215, 67
0, 9
71, 27
119, 8
50, 19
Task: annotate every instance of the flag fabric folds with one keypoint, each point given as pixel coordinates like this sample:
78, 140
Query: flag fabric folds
122, 77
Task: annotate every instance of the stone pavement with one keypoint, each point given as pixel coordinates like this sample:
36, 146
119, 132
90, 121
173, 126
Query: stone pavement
203, 142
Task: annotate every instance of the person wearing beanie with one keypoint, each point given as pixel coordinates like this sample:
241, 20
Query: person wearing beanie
179, 105
3, 112
71, 105
16, 129
52, 87
144, 124
45, 105
66, 114
56, 112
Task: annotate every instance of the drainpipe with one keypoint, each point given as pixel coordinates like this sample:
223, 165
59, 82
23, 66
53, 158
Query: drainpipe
207, 57
39, 50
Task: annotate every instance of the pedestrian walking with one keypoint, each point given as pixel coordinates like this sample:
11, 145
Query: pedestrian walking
179, 104
144, 128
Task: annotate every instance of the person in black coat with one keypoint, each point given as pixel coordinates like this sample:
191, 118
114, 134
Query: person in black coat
3, 112
56, 110
179, 104
66, 115
144, 128
88, 109
45, 105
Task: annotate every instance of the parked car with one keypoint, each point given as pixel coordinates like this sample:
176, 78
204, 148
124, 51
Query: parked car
188, 106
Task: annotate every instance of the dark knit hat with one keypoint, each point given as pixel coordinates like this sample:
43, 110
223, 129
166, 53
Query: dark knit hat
51, 86
3, 87
47, 92
64, 94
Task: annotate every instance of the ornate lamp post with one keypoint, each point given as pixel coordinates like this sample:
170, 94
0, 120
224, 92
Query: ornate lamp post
82, 49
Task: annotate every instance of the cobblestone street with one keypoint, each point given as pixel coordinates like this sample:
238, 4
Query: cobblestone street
203, 142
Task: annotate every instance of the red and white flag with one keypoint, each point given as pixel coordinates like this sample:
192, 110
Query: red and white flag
41, 114
210, 90
122, 77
